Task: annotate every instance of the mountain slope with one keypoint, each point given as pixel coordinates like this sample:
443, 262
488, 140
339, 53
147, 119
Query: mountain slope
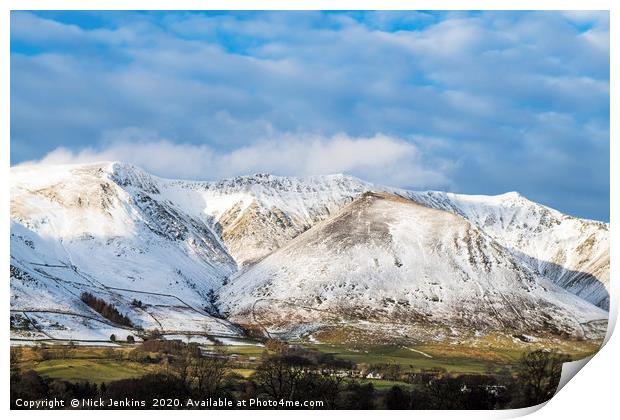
115, 231
384, 259
257, 214
571, 252
82, 229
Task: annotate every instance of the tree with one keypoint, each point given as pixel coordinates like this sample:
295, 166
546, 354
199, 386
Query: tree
539, 375
147, 388
42, 352
130, 339
319, 385
106, 310
64, 352
153, 334
109, 353
16, 353
209, 372
446, 393
360, 397
486, 392
181, 366
276, 346
212, 308
27, 386
397, 399
279, 376
112, 337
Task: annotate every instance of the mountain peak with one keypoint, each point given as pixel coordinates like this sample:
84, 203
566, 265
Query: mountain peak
440, 268
511, 195
129, 175
113, 224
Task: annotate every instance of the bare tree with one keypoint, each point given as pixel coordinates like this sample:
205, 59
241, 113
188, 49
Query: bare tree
16, 355
279, 376
276, 346
209, 372
539, 375
182, 365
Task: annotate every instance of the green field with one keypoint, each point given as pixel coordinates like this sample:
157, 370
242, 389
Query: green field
411, 360
92, 370
492, 354
383, 384
250, 351
246, 373
482, 356
105, 364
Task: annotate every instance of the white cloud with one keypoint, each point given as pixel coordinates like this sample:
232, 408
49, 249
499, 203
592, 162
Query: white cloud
379, 158
477, 81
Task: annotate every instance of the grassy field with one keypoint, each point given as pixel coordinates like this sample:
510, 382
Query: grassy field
410, 360
383, 384
246, 373
92, 370
29, 354
250, 351
488, 354
491, 354
104, 364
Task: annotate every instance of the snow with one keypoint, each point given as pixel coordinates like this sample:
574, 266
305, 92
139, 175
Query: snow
393, 261
573, 253
420, 352
189, 338
74, 327
112, 229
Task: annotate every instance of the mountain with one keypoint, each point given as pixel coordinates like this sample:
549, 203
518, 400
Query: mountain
388, 262
105, 229
571, 252
162, 250
257, 214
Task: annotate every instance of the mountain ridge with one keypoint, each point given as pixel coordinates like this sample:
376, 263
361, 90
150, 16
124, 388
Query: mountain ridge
434, 269
108, 221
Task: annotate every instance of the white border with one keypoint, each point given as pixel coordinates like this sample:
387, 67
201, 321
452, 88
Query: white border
592, 396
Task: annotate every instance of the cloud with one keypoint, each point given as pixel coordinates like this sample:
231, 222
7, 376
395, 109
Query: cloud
379, 158
229, 85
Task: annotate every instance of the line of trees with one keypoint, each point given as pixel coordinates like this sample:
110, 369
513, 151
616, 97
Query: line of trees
107, 310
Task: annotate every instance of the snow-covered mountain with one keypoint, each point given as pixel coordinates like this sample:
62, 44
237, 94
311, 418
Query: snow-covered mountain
571, 252
106, 230
161, 250
388, 260
257, 214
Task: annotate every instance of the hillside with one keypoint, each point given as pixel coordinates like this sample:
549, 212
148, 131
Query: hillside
160, 251
385, 262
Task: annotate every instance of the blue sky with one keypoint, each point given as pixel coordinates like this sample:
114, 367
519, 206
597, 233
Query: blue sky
471, 102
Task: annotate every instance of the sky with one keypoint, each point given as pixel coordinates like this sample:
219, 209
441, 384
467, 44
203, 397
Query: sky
469, 102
